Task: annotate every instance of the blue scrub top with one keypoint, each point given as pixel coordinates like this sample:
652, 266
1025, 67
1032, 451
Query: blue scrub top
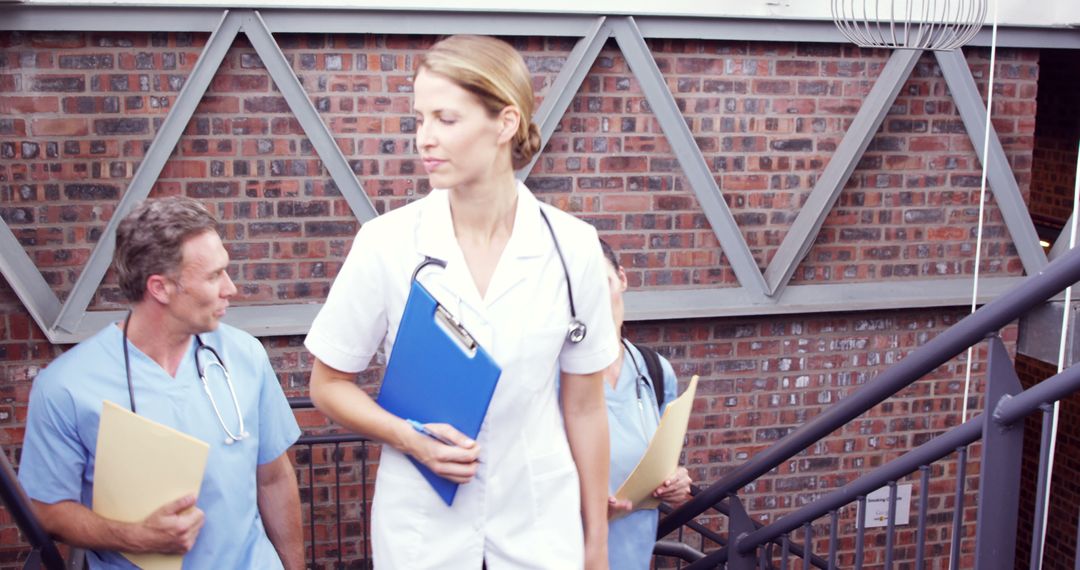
631, 538
62, 425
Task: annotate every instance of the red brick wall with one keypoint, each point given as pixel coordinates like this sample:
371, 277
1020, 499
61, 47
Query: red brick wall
78, 110
1060, 547
1057, 130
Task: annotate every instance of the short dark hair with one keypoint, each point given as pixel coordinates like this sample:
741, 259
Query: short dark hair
150, 238
609, 254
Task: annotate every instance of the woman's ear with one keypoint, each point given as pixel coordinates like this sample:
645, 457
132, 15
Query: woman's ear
622, 280
509, 119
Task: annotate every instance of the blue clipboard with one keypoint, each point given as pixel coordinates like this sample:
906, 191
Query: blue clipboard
437, 373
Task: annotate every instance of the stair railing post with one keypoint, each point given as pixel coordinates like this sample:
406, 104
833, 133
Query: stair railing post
999, 472
739, 525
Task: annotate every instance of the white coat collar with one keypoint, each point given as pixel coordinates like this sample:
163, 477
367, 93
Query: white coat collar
529, 239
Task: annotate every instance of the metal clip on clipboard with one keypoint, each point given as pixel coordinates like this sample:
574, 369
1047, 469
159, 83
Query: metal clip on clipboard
443, 318
455, 329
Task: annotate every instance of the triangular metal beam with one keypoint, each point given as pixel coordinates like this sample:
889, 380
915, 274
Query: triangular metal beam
567, 85
758, 292
804, 230
1000, 178
221, 40
686, 150
316, 130
149, 169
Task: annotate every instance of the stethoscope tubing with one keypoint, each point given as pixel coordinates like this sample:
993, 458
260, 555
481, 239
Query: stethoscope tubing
576, 330
640, 379
200, 345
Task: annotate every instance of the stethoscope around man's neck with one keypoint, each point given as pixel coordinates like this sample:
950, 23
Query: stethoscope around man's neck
230, 436
576, 330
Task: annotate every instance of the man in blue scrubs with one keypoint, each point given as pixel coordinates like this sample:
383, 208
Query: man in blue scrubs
171, 264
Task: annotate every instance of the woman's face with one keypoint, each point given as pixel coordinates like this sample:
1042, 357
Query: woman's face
459, 143
617, 285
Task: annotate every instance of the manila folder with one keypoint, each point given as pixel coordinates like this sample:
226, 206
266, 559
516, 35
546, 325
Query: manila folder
662, 456
140, 466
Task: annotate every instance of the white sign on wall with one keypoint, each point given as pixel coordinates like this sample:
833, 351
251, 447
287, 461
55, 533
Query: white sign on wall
877, 506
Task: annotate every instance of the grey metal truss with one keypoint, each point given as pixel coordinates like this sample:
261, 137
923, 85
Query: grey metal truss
149, 169
757, 294
804, 230
642, 64
566, 85
1061, 244
322, 140
999, 176
644, 305
66, 322
449, 21
26, 280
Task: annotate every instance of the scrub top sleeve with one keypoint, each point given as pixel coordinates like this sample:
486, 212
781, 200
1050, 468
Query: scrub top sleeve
592, 300
352, 323
277, 424
671, 383
53, 456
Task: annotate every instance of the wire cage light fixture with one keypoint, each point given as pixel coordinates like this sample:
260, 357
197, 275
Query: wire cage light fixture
909, 24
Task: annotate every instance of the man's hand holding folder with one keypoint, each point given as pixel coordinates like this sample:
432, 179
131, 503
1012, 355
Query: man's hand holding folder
173, 528
444, 450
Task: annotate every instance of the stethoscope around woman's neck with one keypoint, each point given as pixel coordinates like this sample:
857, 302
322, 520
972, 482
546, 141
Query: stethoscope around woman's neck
576, 330
230, 436
641, 379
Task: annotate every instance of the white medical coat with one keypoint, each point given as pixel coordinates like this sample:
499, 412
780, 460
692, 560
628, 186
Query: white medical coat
522, 510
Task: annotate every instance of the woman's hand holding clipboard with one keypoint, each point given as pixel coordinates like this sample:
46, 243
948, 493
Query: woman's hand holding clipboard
444, 450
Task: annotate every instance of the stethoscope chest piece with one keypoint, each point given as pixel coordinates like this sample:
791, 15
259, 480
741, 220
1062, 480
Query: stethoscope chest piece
576, 331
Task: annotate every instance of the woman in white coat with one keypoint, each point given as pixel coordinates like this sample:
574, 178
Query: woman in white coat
534, 483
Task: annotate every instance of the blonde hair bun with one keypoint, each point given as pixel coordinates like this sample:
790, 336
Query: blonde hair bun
495, 72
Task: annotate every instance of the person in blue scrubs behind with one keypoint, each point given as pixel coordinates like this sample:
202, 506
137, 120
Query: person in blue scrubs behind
171, 264
633, 416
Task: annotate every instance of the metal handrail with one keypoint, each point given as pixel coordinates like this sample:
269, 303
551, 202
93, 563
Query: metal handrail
336, 439
1014, 408
1054, 278
17, 503
1010, 409
795, 548
925, 454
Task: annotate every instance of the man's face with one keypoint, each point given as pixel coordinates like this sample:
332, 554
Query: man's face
203, 287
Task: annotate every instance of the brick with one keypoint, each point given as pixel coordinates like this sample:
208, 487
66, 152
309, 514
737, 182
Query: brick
792, 145
58, 83
219, 104
265, 105
44, 40
12, 127
240, 83
328, 229
86, 61
20, 105
126, 126
60, 127
306, 209
773, 87
91, 105
91, 192
623, 164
